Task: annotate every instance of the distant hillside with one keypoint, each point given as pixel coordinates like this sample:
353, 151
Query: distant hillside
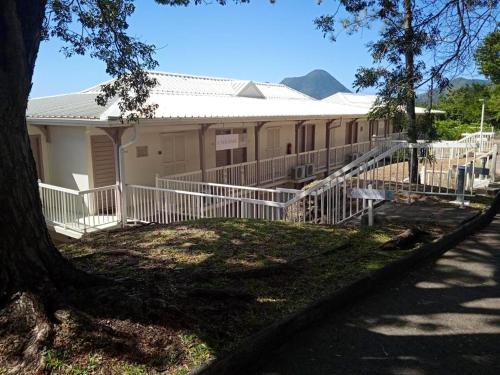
454, 84
319, 84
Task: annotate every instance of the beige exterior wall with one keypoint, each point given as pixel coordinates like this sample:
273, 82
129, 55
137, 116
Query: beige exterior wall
65, 156
67, 159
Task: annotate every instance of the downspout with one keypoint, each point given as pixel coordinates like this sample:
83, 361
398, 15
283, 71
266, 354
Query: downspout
121, 169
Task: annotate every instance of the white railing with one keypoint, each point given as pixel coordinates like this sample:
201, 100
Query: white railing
484, 140
436, 172
164, 206
238, 174
174, 200
437, 167
278, 169
386, 167
80, 211
234, 191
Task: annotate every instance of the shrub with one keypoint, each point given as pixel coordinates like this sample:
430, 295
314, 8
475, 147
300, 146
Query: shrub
453, 129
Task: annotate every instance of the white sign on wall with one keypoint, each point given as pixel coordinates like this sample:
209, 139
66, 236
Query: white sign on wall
230, 141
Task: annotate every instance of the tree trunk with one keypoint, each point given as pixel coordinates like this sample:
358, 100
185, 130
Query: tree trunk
410, 88
33, 274
29, 261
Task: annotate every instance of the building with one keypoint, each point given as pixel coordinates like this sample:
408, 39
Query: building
205, 128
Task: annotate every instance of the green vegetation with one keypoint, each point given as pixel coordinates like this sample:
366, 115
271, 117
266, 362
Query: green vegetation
488, 56
463, 110
215, 282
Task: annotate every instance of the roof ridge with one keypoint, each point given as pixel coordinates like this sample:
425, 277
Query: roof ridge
210, 78
68, 93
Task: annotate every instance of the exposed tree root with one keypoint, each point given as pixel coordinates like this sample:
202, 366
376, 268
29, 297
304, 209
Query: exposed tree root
26, 326
403, 240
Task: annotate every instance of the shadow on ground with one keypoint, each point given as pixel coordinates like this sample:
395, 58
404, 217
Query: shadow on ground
185, 294
442, 319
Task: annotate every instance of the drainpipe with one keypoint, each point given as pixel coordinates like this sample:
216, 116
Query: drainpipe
121, 169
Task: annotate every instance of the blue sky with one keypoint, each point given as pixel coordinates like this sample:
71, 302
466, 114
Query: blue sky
257, 41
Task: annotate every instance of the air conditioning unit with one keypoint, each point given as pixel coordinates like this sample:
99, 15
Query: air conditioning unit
299, 172
309, 170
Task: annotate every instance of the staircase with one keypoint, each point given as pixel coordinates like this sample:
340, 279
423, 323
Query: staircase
387, 168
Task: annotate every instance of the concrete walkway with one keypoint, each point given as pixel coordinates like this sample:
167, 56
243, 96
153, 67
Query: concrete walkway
441, 319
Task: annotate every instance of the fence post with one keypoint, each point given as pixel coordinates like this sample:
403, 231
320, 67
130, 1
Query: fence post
494, 163
65, 212
123, 204
242, 175
460, 189
83, 213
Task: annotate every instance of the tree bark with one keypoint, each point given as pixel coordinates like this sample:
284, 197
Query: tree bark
29, 260
410, 87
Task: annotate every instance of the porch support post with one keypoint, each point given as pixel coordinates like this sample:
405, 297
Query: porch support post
328, 145
44, 129
201, 138
257, 149
352, 122
298, 125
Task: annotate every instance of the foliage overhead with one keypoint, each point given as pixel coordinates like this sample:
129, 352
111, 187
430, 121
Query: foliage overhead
488, 56
99, 28
441, 35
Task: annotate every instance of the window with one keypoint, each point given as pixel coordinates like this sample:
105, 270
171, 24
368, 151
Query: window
141, 151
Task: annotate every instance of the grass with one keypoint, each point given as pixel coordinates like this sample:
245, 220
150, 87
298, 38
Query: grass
480, 202
176, 265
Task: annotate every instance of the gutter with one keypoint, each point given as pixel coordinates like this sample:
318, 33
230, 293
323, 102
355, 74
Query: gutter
121, 176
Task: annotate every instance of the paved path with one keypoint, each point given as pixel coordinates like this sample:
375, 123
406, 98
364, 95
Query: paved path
441, 319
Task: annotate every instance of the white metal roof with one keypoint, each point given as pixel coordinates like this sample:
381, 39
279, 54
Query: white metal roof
72, 106
183, 84
180, 96
364, 101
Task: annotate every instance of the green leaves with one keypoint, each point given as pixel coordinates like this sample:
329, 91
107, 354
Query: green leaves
488, 56
99, 28
419, 44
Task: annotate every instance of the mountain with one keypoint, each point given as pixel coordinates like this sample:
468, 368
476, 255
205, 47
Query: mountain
319, 84
455, 83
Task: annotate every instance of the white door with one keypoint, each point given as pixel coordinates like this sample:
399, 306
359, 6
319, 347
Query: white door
273, 148
174, 153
